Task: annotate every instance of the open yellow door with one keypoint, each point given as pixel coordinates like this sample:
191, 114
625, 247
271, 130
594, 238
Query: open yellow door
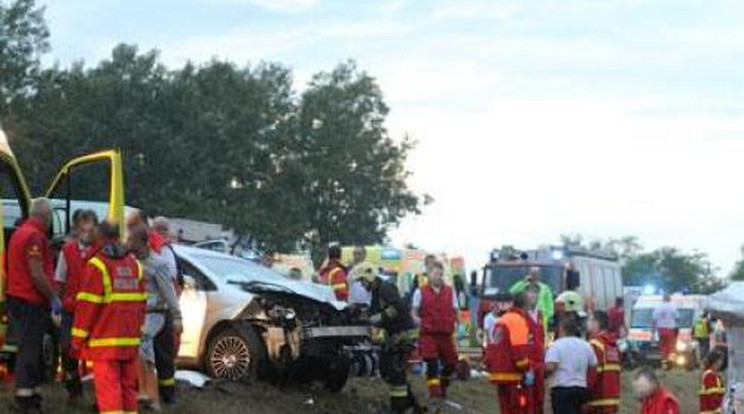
14, 202
95, 182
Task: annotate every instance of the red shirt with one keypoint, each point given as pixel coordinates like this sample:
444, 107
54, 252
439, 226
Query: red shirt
29, 241
75, 257
616, 316
661, 402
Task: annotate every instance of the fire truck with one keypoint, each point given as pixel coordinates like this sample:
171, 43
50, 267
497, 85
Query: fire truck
597, 273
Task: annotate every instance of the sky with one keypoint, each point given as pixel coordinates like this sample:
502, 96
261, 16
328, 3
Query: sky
534, 118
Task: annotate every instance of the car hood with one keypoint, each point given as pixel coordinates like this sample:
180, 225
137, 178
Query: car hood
312, 291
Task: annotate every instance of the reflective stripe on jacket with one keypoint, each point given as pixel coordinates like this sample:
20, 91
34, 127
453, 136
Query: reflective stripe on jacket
507, 356
110, 308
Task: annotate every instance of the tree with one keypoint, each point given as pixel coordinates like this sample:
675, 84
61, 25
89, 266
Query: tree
356, 185
738, 272
666, 267
23, 39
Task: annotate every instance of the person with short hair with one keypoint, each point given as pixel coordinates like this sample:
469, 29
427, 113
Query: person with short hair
31, 296
357, 293
569, 362
535, 321
435, 312
655, 399
664, 322
502, 303
167, 340
616, 316
605, 391
713, 388
333, 274
545, 302
108, 321
162, 302
507, 358
69, 274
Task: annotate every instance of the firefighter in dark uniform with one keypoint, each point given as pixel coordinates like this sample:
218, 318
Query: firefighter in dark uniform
395, 331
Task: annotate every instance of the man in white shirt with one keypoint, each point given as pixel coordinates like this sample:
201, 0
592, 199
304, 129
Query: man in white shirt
568, 362
357, 293
664, 321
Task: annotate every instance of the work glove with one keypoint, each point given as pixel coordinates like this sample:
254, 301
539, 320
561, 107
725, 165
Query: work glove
376, 319
56, 311
529, 378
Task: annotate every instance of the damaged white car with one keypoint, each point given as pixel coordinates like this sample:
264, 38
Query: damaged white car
243, 321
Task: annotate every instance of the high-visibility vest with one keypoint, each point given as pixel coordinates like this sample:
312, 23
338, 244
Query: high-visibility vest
438, 316
334, 275
606, 389
110, 308
507, 356
712, 392
701, 329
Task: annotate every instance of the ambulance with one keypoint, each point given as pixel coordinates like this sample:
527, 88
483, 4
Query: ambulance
643, 342
94, 177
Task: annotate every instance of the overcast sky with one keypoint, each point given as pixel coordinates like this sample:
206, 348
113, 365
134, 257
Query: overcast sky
534, 117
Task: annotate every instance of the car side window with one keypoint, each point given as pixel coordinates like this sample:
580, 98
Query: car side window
202, 281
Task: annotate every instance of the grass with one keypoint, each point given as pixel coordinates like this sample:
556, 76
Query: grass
361, 396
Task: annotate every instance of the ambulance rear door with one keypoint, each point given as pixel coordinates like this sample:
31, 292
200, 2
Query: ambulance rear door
95, 182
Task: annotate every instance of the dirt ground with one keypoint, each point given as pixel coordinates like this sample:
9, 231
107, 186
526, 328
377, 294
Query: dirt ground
362, 396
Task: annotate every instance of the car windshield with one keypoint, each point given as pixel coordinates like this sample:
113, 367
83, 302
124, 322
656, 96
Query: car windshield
504, 277
240, 271
643, 318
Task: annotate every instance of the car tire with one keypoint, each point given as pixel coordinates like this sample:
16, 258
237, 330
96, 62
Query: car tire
337, 375
235, 354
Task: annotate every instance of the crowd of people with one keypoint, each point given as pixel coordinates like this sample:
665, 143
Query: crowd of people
110, 301
114, 302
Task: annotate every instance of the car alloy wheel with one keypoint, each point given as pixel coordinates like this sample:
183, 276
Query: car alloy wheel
231, 358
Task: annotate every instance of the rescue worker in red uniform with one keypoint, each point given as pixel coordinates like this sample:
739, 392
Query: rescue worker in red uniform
333, 274
535, 321
655, 398
30, 298
605, 391
507, 358
712, 388
108, 322
435, 312
69, 275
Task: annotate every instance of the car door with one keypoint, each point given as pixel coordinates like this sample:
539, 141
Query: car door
94, 181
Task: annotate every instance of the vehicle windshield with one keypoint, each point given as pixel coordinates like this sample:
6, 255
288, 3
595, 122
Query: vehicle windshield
240, 271
504, 277
643, 318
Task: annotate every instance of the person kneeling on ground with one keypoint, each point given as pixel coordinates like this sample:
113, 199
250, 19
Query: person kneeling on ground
655, 398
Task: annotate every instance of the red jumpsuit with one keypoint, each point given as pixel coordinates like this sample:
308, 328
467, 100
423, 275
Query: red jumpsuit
536, 392
661, 402
667, 342
436, 344
711, 393
334, 275
108, 325
606, 386
507, 359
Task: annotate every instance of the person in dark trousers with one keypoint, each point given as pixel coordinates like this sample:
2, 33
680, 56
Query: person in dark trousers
570, 361
32, 302
396, 333
167, 339
69, 277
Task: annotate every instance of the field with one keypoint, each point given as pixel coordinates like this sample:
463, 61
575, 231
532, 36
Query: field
359, 397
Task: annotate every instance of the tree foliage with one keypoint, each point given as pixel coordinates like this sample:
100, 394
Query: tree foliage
667, 267
23, 39
227, 144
